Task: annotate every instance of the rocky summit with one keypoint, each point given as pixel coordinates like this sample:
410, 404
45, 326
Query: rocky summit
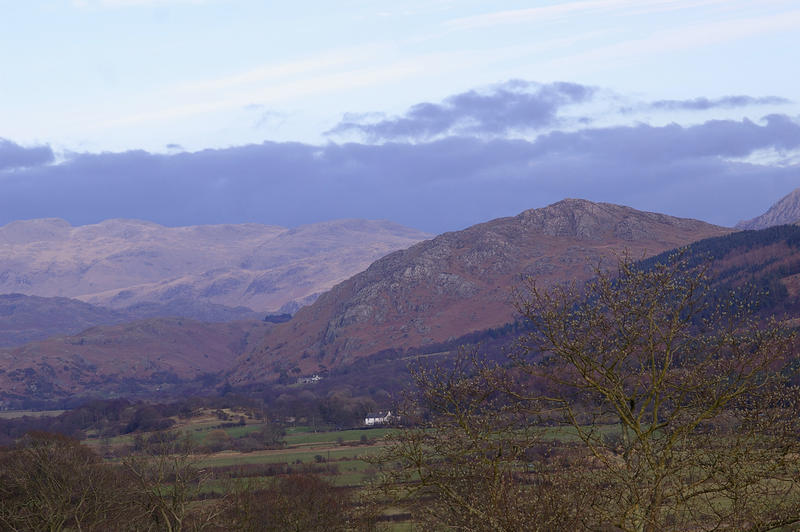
785, 211
460, 282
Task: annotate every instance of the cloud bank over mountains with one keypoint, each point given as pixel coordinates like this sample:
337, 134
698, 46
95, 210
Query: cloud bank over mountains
14, 156
438, 166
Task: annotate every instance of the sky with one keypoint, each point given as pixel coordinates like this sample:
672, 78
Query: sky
436, 114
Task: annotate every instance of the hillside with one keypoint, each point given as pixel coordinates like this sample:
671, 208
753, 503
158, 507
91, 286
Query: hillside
124, 263
460, 282
147, 356
25, 319
764, 263
784, 211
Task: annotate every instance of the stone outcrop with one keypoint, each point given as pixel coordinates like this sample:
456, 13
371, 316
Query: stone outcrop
461, 281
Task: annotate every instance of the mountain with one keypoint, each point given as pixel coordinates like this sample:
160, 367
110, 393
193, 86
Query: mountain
124, 263
143, 357
460, 282
25, 319
785, 211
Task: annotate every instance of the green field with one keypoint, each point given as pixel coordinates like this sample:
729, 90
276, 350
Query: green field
13, 414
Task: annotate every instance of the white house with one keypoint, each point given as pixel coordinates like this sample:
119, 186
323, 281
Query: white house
309, 380
378, 418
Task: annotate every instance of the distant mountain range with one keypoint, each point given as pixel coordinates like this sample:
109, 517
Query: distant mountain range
460, 282
128, 263
411, 300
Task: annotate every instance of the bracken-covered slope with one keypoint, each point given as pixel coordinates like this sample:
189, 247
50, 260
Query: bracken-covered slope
460, 282
785, 211
125, 359
120, 263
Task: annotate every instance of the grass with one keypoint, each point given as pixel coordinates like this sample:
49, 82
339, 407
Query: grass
13, 414
333, 437
288, 456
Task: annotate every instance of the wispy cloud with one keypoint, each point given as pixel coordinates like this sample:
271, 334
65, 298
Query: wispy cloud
514, 105
705, 104
569, 9
323, 75
132, 3
684, 38
326, 61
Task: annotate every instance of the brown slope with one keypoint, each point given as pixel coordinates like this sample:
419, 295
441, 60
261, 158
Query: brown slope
26, 319
784, 211
120, 263
460, 282
104, 360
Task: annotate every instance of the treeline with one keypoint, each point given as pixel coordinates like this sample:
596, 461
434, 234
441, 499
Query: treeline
276, 407
750, 265
52, 482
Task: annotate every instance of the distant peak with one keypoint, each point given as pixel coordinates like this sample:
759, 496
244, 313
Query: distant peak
784, 211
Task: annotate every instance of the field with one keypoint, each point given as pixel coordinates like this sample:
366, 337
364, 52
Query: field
337, 456
13, 414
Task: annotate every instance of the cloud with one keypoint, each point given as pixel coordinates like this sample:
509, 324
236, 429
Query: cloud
130, 3
726, 102
698, 171
564, 10
514, 105
13, 155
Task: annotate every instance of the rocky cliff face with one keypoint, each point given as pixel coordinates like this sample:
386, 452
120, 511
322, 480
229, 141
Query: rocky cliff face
785, 211
460, 282
125, 263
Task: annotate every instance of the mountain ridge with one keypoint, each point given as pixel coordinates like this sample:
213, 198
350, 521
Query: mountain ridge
459, 282
119, 263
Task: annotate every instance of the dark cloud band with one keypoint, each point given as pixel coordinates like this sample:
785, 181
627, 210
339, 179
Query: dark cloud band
13, 155
441, 185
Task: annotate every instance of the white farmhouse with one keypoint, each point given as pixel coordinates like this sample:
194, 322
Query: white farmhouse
377, 418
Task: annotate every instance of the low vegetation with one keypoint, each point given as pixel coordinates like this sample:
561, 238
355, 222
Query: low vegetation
648, 399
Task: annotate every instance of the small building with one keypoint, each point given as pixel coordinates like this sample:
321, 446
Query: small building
377, 418
309, 380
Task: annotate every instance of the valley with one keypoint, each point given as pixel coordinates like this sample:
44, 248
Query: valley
271, 400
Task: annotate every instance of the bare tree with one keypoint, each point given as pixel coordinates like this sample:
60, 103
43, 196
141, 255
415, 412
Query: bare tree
298, 502
475, 457
684, 407
635, 403
166, 478
52, 482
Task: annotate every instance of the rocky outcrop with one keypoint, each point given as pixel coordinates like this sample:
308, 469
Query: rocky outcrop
460, 282
785, 211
